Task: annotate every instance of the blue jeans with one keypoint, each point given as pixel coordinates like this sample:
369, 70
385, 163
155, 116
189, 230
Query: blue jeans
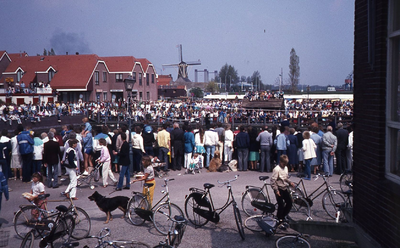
124, 172
149, 150
52, 175
209, 151
265, 159
137, 159
307, 169
328, 162
163, 156
243, 158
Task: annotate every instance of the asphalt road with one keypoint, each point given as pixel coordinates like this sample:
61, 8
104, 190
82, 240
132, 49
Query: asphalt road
223, 234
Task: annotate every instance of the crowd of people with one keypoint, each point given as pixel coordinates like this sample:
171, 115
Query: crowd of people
224, 111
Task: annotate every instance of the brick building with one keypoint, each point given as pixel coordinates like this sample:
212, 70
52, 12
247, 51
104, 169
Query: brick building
377, 121
74, 77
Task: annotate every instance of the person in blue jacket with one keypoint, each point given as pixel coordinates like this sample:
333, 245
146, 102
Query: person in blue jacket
3, 188
189, 145
25, 143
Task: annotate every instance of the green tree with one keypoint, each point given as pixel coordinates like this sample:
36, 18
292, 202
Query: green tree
197, 92
228, 75
294, 71
52, 52
44, 52
212, 87
255, 80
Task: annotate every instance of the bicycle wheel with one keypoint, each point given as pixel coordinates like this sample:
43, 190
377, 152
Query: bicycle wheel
25, 219
330, 202
129, 244
252, 194
252, 224
82, 222
346, 181
162, 217
238, 219
137, 202
292, 241
28, 240
192, 210
302, 208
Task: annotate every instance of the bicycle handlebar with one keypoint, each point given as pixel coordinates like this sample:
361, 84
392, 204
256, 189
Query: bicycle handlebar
106, 230
228, 181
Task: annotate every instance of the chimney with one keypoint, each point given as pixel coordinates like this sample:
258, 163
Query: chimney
66, 53
76, 53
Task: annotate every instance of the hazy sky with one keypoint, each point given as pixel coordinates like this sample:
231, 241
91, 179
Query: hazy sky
249, 35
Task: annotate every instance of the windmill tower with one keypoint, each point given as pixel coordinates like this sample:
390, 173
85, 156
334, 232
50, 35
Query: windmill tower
182, 66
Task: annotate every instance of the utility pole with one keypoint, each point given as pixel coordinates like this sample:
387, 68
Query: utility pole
280, 81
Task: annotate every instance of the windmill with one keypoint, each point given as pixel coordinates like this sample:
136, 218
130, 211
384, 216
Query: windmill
182, 66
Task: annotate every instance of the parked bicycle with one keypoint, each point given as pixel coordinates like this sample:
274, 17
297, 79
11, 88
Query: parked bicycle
50, 232
199, 206
254, 196
102, 243
268, 223
345, 209
330, 199
175, 233
345, 180
161, 214
27, 213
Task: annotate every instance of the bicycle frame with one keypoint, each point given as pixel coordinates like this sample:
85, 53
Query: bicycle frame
309, 197
228, 202
263, 189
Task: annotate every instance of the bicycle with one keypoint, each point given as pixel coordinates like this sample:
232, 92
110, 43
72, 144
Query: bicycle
269, 224
50, 231
345, 209
175, 234
345, 180
105, 232
139, 209
200, 209
329, 200
23, 217
254, 196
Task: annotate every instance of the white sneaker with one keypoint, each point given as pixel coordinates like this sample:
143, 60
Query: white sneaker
85, 173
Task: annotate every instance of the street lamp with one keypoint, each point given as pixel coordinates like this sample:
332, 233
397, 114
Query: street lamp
129, 83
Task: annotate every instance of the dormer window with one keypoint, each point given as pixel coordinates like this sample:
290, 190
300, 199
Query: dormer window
19, 75
51, 74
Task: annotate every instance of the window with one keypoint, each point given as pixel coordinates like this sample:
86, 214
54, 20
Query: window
19, 75
104, 76
152, 78
147, 79
134, 77
96, 77
148, 95
104, 96
51, 74
393, 94
98, 97
140, 78
140, 96
118, 77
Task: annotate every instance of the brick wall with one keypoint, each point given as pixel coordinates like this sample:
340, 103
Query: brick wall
376, 199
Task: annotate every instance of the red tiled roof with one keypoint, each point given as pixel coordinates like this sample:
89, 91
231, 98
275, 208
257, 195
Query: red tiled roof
120, 63
145, 64
163, 80
72, 71
14, 56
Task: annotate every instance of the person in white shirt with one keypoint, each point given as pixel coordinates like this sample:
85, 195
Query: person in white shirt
148, 177
137, 148
228, 143
210, 142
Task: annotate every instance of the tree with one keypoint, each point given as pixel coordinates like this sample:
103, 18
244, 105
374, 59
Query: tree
294, 71
228, 75
52, 52
197, 92
212, 87
44, 52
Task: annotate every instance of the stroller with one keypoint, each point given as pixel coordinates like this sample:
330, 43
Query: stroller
195, 165
94, 174
158, 168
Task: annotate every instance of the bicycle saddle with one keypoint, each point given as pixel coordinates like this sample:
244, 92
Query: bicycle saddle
179, 218
208, 185
41, 197
148, 185
262, 178
62, 208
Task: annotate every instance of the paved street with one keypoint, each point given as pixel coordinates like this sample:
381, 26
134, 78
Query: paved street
223, 234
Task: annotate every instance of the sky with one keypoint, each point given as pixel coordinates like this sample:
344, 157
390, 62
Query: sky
254, 35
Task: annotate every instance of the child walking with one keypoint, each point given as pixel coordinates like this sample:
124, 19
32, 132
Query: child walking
105, 158
71, 168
